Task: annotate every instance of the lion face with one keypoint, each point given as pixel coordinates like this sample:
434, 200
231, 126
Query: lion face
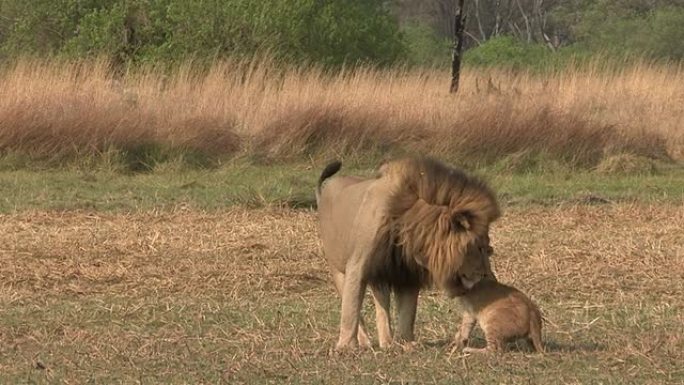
476, 266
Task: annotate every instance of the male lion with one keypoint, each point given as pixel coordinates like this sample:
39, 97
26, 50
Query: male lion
416, 223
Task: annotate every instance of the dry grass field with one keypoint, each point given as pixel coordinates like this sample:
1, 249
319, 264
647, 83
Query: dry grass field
243, 296
53, 110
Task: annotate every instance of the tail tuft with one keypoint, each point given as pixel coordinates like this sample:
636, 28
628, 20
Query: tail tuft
329, 170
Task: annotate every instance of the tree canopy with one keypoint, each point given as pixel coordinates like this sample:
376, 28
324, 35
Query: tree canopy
330, 32
339, 32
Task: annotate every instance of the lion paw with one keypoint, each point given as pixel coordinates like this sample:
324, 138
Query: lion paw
346, 346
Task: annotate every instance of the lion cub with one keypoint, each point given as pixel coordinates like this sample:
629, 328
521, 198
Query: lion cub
503, 312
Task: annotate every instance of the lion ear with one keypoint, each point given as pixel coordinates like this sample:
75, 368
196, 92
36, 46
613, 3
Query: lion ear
461, 221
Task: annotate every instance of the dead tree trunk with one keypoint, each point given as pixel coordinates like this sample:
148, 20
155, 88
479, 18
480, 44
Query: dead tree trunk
459, 27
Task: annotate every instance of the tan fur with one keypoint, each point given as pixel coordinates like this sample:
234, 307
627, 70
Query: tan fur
503, 312
417, 222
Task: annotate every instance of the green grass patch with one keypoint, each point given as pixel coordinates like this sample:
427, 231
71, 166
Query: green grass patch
292, 185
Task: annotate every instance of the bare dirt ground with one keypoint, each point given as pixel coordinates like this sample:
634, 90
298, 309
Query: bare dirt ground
243, 296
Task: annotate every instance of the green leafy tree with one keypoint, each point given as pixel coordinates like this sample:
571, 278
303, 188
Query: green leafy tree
331, 32
40, 27
626, 27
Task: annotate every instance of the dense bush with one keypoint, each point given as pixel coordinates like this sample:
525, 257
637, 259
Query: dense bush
610, 32
331, 32
425, 47
509, 52
658, 34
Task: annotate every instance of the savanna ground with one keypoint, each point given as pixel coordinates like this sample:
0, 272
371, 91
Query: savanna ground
161, 229
243, 296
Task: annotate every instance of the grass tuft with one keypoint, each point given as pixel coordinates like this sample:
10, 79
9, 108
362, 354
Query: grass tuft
627, 164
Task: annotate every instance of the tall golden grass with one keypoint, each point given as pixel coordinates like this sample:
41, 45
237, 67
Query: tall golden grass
55, 110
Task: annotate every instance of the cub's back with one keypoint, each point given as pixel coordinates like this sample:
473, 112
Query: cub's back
500, 308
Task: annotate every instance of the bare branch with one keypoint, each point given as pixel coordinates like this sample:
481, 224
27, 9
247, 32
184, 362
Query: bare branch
479, 21
527, 21
475, 39
497, 18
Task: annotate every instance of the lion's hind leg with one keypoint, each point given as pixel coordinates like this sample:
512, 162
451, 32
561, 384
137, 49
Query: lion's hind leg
362, 336
495, 344
535, 334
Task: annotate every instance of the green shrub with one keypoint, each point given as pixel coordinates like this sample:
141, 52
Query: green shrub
424, 47
40, 27
654, 33
331, 32
668, 33
510, 52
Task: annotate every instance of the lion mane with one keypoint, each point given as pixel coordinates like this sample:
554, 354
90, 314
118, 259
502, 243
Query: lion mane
429, 200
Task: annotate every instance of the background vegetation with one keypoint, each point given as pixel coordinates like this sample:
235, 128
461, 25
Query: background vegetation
539, 35
327, 32
65, 113
145, 81
525, 33
154, 85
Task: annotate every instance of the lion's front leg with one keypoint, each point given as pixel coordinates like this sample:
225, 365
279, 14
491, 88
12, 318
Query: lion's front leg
407, 302
381, 297
467, 324
352, 297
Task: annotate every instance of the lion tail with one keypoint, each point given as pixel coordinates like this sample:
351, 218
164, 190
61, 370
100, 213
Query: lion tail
331, 169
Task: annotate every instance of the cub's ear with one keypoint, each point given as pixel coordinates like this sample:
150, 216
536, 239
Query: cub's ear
461, 221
